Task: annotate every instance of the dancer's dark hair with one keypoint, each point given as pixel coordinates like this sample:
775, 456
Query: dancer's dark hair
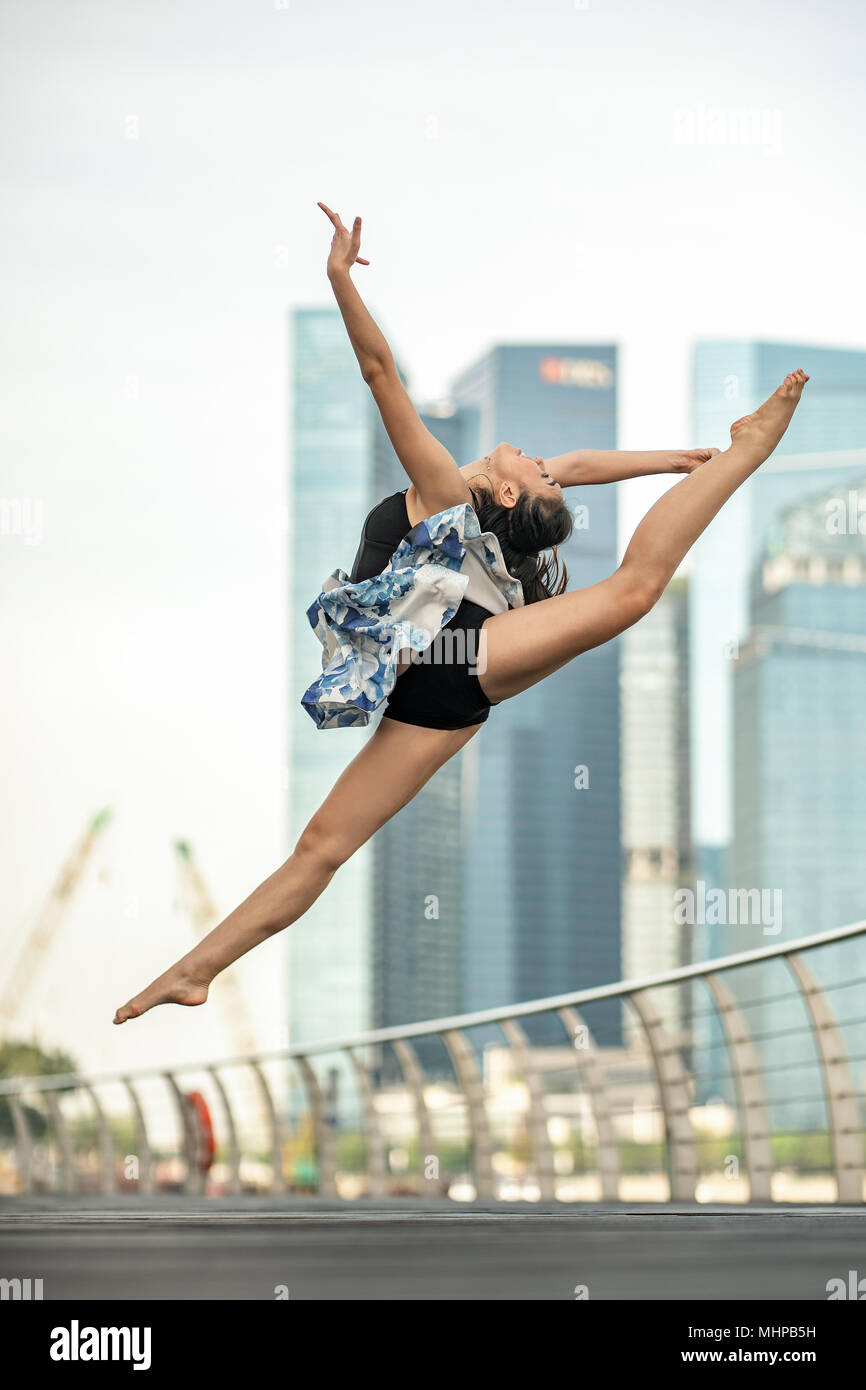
535, 523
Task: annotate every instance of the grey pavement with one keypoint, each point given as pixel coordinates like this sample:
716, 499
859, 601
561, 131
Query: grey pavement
172, 1247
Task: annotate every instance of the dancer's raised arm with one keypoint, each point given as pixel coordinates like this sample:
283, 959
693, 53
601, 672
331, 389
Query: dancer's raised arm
430, 467
583, 466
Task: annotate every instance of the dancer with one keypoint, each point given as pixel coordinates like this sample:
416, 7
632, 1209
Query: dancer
453, 606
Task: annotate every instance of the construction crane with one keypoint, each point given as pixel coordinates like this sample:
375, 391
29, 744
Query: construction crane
44, 930
199, 906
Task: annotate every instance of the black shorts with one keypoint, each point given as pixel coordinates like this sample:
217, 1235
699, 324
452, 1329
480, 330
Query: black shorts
443, 691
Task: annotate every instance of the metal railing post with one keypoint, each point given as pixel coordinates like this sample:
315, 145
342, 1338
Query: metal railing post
325, 1156
23, 1144
542, 1148
68, 1173
277, 1136
838, 1084
750, 1090
413, 1075
106, 1145
377, 1163
194, 1180
586, 1059
674, 1096
234, 1184
144, 1155
469, 1080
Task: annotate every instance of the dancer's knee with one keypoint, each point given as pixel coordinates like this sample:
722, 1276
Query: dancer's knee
322, 849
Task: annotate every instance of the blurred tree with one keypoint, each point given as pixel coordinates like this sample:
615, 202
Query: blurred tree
29, 1059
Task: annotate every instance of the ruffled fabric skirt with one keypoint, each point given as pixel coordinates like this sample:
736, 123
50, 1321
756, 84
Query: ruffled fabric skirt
364, 627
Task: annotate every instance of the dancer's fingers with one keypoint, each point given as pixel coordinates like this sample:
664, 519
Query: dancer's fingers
356, 242
355, 235
334, 216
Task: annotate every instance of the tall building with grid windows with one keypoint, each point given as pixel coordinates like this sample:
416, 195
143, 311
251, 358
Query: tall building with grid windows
543, 844
822, 449
516, 842
800, 741
656, 811
824, 446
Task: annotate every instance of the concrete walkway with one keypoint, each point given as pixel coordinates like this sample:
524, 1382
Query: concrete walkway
171, 1247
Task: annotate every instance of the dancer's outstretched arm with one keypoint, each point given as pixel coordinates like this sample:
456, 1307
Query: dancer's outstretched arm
585, 466
431, 469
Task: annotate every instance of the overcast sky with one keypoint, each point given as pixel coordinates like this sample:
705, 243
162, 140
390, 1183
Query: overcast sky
611, 171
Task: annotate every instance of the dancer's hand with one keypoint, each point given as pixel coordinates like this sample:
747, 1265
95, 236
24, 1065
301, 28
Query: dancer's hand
687, 460
345, 245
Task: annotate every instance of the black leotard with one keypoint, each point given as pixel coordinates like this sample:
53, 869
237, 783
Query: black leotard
439, 693
383, 530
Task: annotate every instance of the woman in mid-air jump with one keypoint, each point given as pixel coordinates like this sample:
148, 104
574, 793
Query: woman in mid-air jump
452, 607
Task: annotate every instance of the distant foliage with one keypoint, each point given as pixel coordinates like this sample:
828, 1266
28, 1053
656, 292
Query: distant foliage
29, 1059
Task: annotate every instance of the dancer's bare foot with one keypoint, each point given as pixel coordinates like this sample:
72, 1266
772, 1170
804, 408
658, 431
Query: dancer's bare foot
766, 425
174, 987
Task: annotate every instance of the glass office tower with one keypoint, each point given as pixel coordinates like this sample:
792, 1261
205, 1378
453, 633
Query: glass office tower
823, 447
799, 703
800, 741
332, 487
520, 862
542, 828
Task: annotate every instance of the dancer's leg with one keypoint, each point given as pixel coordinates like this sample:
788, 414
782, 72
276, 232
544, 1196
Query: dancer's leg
390, 769
527, 644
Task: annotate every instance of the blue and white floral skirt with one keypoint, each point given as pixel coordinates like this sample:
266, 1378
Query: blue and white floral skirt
363, 627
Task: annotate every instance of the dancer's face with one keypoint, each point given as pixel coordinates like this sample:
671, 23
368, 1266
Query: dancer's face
524, 472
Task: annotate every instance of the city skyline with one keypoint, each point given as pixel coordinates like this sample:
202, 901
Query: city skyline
528, 182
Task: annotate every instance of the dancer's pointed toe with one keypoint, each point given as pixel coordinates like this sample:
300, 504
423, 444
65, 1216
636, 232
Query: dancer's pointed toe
766, 425
173, 987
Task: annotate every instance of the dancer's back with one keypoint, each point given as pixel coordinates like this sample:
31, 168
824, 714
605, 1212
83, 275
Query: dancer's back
383, 530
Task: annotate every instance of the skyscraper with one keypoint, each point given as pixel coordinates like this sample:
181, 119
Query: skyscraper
823, 447
800, 740
516, 842
331, 489
800, 693
543, 840
656, 825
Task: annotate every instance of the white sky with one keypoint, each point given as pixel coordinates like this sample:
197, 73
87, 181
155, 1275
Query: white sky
525, 171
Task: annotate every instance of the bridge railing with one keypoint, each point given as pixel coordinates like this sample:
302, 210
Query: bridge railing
737, 1079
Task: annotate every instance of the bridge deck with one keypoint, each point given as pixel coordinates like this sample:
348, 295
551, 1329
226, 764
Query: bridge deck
243, 1248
